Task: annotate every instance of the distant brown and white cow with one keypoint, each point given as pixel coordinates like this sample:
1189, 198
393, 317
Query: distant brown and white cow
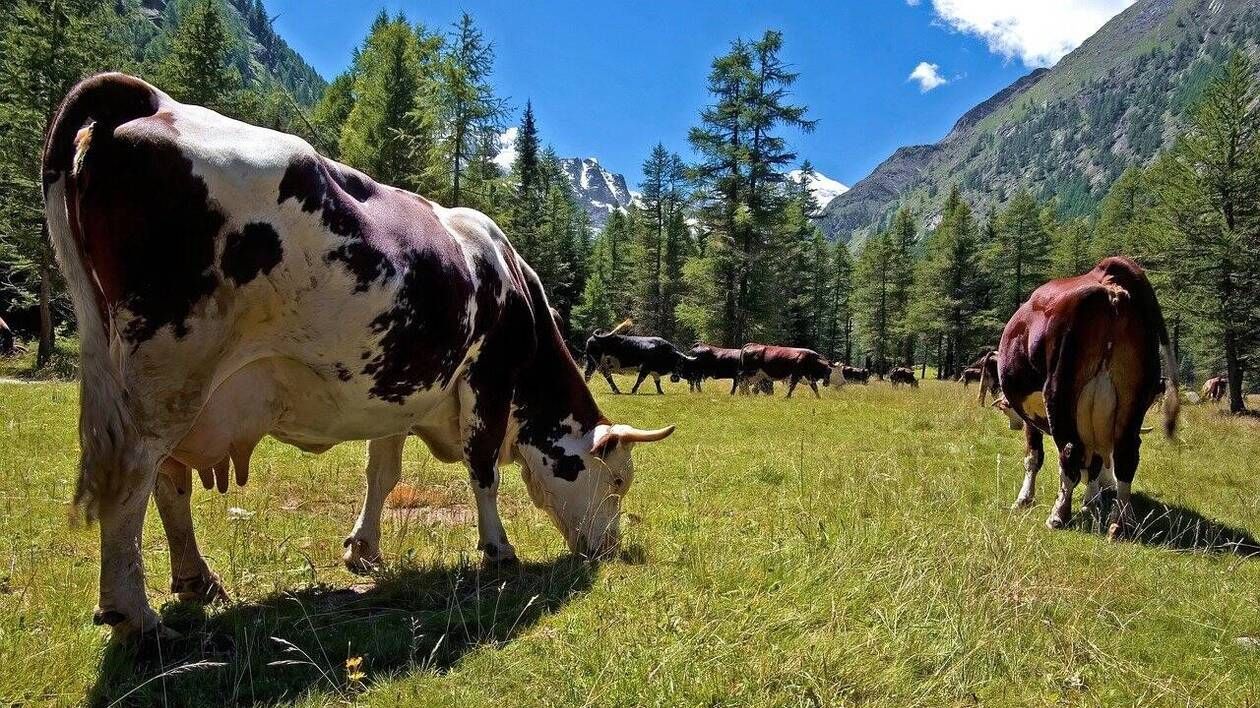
1080, 361
985, 369
231, 283
1215, 388
775, 363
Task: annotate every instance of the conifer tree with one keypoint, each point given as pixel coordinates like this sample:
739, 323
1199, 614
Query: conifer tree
1021, 254
48, 46
527, 177
1209, 190
198, 68
384, 134
468, 110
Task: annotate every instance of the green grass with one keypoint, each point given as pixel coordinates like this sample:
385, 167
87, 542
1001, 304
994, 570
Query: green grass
853, 550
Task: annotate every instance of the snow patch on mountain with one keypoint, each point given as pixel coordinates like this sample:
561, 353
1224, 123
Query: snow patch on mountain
822, 187
601, 192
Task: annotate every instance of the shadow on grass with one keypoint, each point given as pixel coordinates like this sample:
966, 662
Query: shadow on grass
296, 643
1174, 527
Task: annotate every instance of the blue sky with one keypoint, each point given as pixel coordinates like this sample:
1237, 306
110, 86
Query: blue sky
611, 79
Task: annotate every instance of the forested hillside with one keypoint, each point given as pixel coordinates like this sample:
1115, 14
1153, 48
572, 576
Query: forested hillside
1069, 132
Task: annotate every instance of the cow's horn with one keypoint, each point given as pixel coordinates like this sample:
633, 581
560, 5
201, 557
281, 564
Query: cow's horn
637, 436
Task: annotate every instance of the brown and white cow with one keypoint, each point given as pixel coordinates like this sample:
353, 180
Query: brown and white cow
231, 283
1080, 361
1215, 388
776, 363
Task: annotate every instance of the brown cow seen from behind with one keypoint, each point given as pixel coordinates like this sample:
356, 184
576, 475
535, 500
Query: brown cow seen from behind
1080, 361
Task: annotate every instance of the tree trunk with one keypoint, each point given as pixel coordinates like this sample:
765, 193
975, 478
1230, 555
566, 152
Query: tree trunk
1233, 369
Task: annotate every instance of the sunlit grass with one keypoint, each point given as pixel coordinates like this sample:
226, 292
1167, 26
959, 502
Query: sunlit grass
857, 549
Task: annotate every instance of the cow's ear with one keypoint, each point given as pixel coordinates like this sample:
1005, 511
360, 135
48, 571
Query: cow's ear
604, 441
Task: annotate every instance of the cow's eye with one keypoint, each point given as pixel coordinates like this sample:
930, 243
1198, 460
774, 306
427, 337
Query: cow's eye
617, 482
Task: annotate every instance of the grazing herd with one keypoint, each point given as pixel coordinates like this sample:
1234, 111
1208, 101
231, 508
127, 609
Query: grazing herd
753, 368
303, 300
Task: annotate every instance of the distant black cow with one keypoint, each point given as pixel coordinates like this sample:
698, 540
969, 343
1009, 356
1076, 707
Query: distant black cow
609, 352
902, 375
970, 376
784, 363
852, 373
7, 344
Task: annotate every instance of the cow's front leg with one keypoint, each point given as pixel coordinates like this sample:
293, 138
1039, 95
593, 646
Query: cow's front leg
656, 378
643, 374
814, 387
608, 377
1070, 457
191, 578
384, 468
483, 422
1034, 456
792, 385
123, 604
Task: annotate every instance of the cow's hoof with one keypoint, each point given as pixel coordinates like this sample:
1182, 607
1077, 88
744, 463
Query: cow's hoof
1055, 523
360, 558
1117, 531
499, 555
203, 588
136, 626
1023, 503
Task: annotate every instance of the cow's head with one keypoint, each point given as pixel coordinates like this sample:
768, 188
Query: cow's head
579, 480
684, 368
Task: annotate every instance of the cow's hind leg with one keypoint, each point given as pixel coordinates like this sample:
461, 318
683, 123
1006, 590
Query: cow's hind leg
1034, 456
1071, 456
191, 578
123, 604
1126, 462
384, 468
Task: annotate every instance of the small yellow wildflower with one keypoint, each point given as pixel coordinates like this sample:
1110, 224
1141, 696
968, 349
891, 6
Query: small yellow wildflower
354, 673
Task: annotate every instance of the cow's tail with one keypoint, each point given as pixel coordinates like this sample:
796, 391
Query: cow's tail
626, 324
1172, 398
109, 451
1171, 406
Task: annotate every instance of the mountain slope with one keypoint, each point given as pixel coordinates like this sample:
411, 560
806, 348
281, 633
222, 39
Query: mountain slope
260, 55
1069, 131
599, 191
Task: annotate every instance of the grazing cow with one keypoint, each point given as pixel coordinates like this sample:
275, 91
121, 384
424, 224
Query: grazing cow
1215, 388
783, 363
1080, 361
986, 366
231, 283
707, 362
7, 342
610, 352
851, 373
970, 375
903, 375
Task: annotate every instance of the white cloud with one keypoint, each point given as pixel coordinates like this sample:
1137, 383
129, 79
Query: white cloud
1038, 32
507, 149
912, 3
928, 76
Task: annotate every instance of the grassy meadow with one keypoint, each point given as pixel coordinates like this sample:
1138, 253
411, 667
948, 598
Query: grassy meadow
857, 549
